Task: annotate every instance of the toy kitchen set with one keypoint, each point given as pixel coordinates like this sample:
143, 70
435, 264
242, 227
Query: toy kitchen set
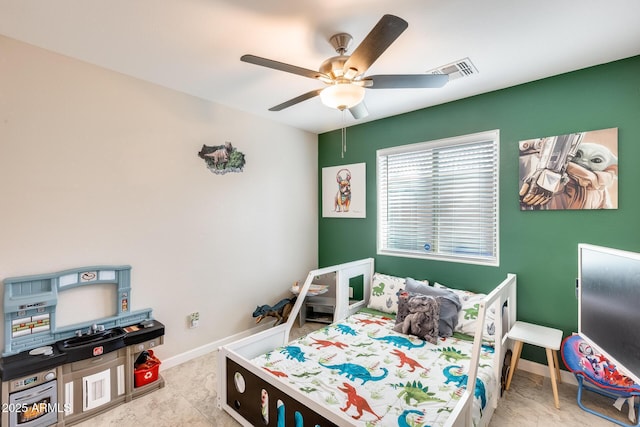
57, 374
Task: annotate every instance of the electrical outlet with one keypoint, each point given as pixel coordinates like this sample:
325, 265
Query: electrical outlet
194, 319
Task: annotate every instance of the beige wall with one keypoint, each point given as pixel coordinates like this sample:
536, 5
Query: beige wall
100, 168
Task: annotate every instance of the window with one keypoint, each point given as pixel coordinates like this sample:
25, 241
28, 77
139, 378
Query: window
439, 199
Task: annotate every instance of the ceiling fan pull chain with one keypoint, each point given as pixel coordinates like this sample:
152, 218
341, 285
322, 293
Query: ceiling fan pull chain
344, 134
344, 141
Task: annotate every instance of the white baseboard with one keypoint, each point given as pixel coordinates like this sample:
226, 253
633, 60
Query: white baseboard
543, 370
208, 348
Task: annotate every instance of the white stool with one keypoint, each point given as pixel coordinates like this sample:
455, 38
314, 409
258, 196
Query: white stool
547, 338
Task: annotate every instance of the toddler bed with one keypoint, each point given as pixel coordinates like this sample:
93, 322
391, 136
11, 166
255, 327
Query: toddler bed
361, 370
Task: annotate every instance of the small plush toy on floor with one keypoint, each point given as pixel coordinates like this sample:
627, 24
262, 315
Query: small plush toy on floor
280, 311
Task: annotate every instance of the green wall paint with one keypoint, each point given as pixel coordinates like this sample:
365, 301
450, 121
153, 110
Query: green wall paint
541, 247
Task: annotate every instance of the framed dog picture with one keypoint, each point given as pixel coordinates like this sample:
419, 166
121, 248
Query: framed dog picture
344, 192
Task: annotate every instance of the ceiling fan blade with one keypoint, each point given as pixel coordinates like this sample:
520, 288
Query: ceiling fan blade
386, 31
296, 100
359, 111
402, 81
281, 66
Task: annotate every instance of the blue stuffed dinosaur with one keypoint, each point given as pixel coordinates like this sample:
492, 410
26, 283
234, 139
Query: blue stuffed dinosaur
280, 311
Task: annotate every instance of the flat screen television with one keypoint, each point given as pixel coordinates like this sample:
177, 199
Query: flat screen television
609, 304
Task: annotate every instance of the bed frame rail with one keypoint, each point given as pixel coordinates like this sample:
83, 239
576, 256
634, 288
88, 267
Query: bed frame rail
502, 301
235, 357
268, 339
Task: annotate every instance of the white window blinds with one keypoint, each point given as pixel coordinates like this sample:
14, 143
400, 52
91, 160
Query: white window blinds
439, 199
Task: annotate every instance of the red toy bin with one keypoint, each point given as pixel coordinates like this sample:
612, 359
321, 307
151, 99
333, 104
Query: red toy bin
147, 372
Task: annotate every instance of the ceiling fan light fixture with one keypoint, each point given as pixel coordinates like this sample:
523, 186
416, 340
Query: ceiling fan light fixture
351, 73
342, 96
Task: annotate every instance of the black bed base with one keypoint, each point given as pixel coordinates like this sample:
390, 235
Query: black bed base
249, 402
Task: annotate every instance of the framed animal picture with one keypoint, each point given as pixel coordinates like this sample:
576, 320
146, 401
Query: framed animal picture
344, 191
572, 171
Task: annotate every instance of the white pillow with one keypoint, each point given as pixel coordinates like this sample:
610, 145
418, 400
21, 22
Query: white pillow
468, 315
384, 293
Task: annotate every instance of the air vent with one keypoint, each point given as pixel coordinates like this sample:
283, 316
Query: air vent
457, 69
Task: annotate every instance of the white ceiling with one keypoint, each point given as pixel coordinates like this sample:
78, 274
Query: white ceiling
194, 46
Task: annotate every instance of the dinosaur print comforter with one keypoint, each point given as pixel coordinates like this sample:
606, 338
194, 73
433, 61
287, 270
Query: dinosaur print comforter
379, 377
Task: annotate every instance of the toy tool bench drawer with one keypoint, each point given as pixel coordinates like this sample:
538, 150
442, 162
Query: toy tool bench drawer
317, 309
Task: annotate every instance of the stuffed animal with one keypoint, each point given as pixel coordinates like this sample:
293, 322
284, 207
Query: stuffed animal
422, 320
280, 311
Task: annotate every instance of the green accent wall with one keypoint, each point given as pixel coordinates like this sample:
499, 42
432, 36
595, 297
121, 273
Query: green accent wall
540, 247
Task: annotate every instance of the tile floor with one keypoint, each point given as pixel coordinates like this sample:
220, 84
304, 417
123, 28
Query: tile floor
189, 399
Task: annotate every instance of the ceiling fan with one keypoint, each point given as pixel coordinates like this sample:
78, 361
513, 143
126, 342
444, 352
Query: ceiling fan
344, 74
